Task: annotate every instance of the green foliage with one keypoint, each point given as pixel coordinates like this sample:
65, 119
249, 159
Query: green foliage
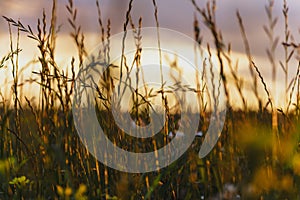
19, 182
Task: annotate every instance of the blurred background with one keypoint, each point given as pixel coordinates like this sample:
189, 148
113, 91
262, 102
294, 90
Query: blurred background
179, 17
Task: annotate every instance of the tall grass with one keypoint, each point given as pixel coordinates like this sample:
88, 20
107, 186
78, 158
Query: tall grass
42, 157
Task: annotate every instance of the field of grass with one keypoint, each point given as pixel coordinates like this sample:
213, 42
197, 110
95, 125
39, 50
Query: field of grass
42, 157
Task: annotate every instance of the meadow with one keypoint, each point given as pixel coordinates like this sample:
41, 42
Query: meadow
256, 157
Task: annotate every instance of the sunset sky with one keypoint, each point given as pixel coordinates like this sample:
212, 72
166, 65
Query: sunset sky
173, 14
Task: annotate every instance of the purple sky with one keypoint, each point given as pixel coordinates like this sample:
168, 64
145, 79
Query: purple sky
173, 14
